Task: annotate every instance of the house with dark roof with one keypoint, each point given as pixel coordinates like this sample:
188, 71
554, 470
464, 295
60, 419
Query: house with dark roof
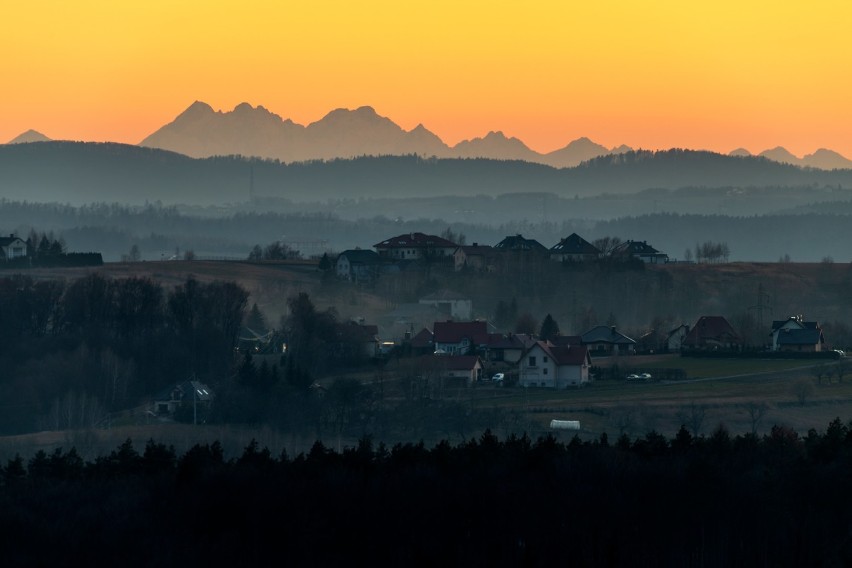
12, 247
467, 368
508, 348
796, 334
548, 365
574, 248
412, 246
189, 393
712, 333
606, 340
459, 337
517, 243
452, 304
640, 250
476, 258
423, 343
358, 265
356, 340
674, 339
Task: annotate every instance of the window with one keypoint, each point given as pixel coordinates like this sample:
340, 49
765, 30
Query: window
544, 371
531, 362
544, 359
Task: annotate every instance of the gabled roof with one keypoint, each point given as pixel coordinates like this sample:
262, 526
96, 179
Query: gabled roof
6, 241
459, 362
573, 355
185, 391
355, 332
800, 337
567, 340
519, 243
415, 240
422, 340
475, 250
606, 334
575, 244
361, 256
677, 329
713, 328
455, 331
635, 248
777, 324
513, 341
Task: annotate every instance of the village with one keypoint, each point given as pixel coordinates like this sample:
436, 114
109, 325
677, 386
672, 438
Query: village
441, 332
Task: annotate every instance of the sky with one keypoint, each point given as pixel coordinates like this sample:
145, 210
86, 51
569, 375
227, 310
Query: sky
655, 74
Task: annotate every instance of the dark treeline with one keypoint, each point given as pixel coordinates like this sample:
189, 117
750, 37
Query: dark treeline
777, 500
73, 352
84, 172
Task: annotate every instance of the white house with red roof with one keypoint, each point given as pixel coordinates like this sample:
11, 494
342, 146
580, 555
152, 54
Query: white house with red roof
548, 365
413, 246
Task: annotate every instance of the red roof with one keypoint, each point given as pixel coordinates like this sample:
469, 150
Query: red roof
422, 339
711, 328
573, 355
416, 240
455, 331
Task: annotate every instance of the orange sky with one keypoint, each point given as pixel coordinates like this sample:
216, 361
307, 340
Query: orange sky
714, 75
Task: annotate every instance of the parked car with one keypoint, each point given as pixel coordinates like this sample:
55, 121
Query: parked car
632, 377
645, 376
498, 377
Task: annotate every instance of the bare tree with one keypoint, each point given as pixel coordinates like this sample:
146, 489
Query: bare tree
803, 389
693, 417
756, 411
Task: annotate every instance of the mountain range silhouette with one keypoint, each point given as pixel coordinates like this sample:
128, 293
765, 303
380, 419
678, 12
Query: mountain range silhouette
202, 132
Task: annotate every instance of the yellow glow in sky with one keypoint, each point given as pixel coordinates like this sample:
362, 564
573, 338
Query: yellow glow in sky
713, 75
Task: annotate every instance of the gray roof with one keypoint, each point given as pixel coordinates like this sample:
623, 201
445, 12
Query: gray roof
575, 244
800, 337
517, 242
636, 248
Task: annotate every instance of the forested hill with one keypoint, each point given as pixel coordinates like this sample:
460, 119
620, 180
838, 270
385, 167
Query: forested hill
77, 172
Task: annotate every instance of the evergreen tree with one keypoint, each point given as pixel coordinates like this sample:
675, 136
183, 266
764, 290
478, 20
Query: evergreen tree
549, 328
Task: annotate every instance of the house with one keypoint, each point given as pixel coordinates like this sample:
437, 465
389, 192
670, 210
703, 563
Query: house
423, 343
574, 248
356, 340
358, 265
12, 247
508, 348
412, 246
518, 243
450, 304
459, 337
606, 340
640, 250
712, 333
547, 365
796, 334
476, 257
674, 340
467, 368
193, 394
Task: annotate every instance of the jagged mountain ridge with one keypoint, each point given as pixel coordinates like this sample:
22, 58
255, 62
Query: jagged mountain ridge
202, 132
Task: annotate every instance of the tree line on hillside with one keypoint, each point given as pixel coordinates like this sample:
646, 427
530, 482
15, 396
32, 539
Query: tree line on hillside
776, 500
74, 351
